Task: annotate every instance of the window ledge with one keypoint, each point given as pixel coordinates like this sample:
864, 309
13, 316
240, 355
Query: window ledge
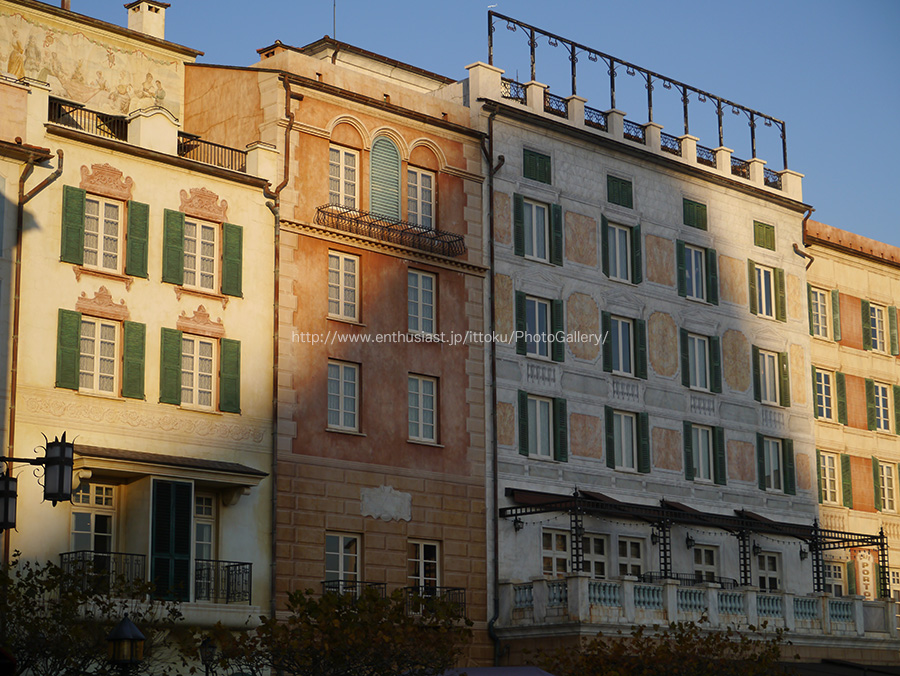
103, 274
101, 395
351, 433
342, 320
543, 261
422, 442
197, 409
623, 374
828, 421
187, 291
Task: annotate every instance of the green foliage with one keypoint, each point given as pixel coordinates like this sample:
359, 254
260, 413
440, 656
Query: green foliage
347, 635
681, 649
55, 622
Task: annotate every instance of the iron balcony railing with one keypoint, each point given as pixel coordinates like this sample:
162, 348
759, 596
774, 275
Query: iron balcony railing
706, 156
740, 167
417, 598
555, 105
354, 588
772, 178
595, 118
222, 581
669, 143
194, 148
93, 122
634, 132
510, 89
101, 572
390, 230
690, 579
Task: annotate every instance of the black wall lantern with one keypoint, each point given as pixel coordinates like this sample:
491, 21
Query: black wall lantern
126, 644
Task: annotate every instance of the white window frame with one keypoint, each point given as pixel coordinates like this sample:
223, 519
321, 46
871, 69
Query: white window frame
423, 405
342, 563
202, 250
820, 300
99, 373
698, 361
619, 237
95, 500
540, 427
765, 291
773, 461
769, 378
876, 325
420, 555
695, 271
706, 562
204, 518
421, 292
627, 561
768, 570
343, 177
702, 452
107, 238
537, 327
595, 555
882, 402
343, 286
199, 372
888, 480
830, 478
420, 197
534, 241
625, 428
833, 572
344, 403
555, 553
825, 399
622, 345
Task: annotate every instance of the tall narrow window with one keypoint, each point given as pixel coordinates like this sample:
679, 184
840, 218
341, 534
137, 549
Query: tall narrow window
342, 179
768, 567
765, 292
773, 468
625, 440
420, 289
702, 450
422, 408
198, 366
824, 395
343, 396
99, 356
622, 345
828, 476
540, 427
204, 526
698, 360
888, 487
882, 407
343, 286
593, 548
103, 235
200, 255
93, 509
619, 252
819, 300
537, 327
341, 558
631, 556
834, 578
555, 553
537, 244
768, 377
706, 565
695, 269
876, 322
420, 197
423, 565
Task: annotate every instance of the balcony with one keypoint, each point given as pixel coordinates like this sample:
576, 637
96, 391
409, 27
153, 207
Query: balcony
510, 89
194, 148
390, 230
556, 105
354, 588
78, 117
417, 598
222, 581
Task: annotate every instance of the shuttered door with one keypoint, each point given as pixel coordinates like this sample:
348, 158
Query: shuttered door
385, 179
170, 558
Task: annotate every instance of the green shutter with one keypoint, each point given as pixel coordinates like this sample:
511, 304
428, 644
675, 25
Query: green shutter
715, 361
561, 425
137, 239
876, 478
787, 454
840, 386
815, 393
688, 438
230, 376
764, 235
604, 245
556, 234
521, 323
606, 328
173, 247
694, 214
681, 260
134, 348
170, 367
836, 314
780, 297
523, 422
640, 341
846, 481
720, 474
384, 179
809, 307
170, 556
866, 325
784, 376
819, 473
643, 463
68, 349
851, 578
232, 259
712, 277
685, 357
619, 191
637, 256
892, 323
557, 328
72, 242
536, 166
518, 225
609, 430
757, 384
760, 462
751, 285
896, 389
870, 403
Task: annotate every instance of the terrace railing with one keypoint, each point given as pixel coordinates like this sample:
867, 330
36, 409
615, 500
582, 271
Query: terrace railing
595, 118
100, 572
634, 132
510, 89
556, 105
222, 581
194, 148
669, 143
740, 167
78, 117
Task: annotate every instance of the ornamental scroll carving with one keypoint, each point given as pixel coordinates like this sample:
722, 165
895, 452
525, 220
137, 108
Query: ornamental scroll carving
386, 503
203, 203
106, 180
201, 324
102, 305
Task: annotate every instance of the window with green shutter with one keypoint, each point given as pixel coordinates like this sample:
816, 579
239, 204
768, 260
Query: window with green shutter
712, 277
557, 329
780, 296
688, 442
518, 224
840, 386
637, 256
643, 465
870, 404
173, 247
866, 324
694, 214
764, 235
561, 430
715, 363
892, 328
171, 539
536, 166
384, 178
137, 239
523, 422
72, 244
640, 343
896, 392
556, 234
68, 349
836, 314
230, 376
618, 191
784, 375
232, 255
521, 322
846, 481
170, 367
133, 350
543, 427
720, 474
876, 478
790, 480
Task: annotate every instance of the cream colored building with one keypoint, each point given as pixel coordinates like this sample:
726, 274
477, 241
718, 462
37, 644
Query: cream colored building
142, 325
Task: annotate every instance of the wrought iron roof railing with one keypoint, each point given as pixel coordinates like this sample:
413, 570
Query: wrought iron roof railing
417, 598
634, 132
391, 230
740, 167
194, 148
772, 178
669, 143
222, 581
690, 579
76, 116
102, 572
510, 89
706, 156
595, 118
555, 105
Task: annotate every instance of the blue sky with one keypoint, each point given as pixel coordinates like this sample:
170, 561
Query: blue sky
827, 68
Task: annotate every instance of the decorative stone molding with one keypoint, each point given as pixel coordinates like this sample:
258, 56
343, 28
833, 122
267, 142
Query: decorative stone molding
112, 276
385, 503
102, 305
203, 203
106, 180
185, 291
540, 374
201, 324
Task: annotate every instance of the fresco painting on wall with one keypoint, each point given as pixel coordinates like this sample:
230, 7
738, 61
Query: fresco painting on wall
115, 79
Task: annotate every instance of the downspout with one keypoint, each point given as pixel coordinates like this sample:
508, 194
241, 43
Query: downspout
24, 198
796, 248
275, 207
495, 486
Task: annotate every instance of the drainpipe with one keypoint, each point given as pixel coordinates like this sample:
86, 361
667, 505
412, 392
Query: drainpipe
275, 207
803, 230
24, 198
495, 486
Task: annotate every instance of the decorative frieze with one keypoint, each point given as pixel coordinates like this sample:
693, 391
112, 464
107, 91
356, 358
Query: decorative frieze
102, 305
625, 390
106, 180
201, 324
203, 203
386, 503
540, 374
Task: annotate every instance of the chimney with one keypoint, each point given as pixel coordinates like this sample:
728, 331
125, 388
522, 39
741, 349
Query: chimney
148, 17
66, 5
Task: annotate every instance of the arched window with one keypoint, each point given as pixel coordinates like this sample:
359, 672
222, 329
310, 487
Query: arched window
385, 178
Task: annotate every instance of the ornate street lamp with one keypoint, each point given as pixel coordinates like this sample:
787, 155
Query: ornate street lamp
126, 645
7, 502
57, 463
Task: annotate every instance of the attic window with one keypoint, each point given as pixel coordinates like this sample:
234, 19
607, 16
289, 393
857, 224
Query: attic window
155, 10
387, 98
